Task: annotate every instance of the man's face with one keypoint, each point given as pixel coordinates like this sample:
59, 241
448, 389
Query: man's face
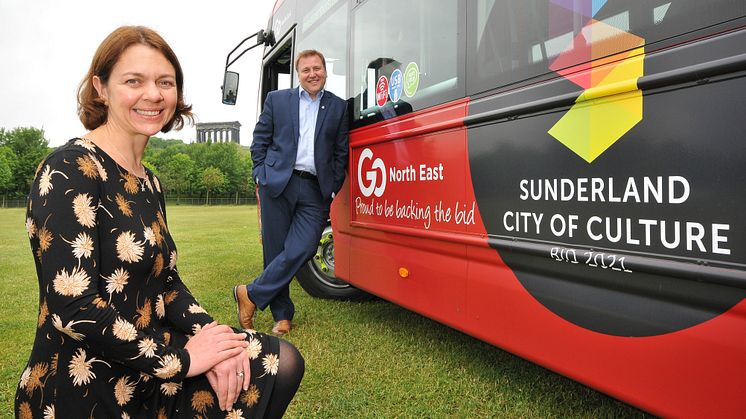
312, 74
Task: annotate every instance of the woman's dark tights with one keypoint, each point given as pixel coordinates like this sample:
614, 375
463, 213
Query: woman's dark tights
289, 374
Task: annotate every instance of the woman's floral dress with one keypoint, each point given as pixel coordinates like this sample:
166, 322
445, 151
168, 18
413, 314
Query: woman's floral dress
114, 315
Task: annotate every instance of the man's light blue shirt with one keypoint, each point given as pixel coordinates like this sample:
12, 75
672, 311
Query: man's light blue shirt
308, 111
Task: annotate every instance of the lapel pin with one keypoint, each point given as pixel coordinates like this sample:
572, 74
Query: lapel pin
322, 107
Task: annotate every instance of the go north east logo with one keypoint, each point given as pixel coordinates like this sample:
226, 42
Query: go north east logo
375, 179
611, 103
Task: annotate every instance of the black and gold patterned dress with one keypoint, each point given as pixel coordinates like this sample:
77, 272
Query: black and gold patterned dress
114, 315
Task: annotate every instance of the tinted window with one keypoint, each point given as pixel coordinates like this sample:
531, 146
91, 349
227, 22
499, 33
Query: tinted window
323, 27
406, 56
516, 40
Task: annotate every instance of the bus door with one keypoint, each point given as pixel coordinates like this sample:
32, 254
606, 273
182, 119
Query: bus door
277, 69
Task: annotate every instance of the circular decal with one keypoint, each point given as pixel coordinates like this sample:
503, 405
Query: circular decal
411, 79
382, 90
396, 85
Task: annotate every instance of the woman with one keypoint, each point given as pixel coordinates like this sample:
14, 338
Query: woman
119, 334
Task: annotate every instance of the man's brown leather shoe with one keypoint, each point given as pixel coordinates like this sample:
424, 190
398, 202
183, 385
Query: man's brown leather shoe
244, 307
282, 327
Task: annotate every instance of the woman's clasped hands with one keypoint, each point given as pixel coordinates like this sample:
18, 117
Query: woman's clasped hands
219, 353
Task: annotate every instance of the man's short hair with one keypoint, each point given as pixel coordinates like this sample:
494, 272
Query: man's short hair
308, 53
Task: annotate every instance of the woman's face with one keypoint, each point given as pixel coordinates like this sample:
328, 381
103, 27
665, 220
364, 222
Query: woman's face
141, 93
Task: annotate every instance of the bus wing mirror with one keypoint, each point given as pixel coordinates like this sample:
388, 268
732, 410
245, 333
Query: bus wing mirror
230, 87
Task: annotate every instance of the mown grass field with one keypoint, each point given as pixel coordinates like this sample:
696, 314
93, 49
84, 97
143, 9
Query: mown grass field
371, 360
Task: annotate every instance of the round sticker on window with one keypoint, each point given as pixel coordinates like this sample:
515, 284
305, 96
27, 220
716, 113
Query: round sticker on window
411, 79
382, 90
395, 85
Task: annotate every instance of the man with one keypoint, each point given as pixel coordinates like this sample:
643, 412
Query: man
300, 160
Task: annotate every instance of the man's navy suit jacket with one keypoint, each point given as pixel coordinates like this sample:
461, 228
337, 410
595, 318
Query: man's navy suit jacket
275, 144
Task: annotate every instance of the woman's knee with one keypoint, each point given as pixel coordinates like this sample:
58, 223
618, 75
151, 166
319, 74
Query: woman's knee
291, 359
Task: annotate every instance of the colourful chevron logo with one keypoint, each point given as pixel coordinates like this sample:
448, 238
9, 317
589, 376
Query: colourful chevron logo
611, 103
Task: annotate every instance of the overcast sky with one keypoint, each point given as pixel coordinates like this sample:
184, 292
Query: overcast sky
46, 48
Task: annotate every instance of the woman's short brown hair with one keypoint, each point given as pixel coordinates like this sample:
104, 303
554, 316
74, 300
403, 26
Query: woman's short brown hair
92, 110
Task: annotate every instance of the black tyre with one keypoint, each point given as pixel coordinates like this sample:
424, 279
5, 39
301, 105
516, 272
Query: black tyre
317, 276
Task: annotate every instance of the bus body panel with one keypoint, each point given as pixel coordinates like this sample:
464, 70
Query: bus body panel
689, 373
408, 265
664, 370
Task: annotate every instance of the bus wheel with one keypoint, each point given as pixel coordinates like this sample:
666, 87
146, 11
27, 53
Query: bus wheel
317, 276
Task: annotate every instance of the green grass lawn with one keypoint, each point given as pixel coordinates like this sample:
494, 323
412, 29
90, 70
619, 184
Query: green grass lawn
369, 359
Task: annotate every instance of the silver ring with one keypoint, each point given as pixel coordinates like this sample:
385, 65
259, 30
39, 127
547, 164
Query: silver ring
239, 373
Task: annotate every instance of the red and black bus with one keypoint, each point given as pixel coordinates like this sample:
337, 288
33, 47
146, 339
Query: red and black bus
563, 179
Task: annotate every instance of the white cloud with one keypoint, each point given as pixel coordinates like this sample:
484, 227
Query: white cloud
46, 47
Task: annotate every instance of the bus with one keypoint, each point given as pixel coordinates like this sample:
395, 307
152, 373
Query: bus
563, 179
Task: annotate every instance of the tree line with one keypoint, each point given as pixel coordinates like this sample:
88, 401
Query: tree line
200, 170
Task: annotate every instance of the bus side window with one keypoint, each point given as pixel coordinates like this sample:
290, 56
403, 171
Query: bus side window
513, 41
324, 28
408, 60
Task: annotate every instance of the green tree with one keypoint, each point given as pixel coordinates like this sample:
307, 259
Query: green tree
7, 162
245, 182
184, 178
156, 143
176, 174
160, 151
30, 147
224, 156
212, 179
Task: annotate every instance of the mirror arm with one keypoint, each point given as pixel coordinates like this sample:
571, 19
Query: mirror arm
262, 38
